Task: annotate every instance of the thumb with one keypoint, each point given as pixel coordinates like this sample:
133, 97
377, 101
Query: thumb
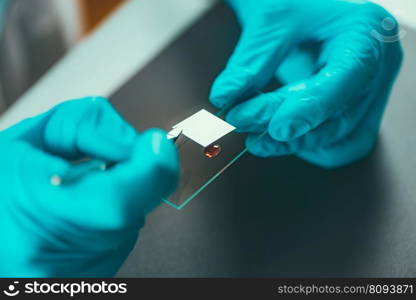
262, 47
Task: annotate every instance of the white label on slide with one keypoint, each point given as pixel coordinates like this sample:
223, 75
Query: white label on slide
204, 128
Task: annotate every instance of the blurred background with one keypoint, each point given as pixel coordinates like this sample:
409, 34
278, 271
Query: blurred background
35, 34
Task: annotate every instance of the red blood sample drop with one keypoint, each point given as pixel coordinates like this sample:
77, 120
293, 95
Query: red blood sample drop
212, 150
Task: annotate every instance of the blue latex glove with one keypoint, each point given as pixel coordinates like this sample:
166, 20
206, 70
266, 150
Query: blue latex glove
85, 227
338, 60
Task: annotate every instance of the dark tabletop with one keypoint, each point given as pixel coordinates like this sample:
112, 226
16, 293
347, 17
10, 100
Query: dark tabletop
281, 216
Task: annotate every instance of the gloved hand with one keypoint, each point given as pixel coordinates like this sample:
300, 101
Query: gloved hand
85, 227
337, 59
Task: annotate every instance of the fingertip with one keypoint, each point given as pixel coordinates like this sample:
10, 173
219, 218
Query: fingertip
244, 119
218, 102
98, 98
255, 114
285, 129
264, 146
58, 166
295, 117
229, 87
160, 145
218, 94
254, 147
154, 146
236, 117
